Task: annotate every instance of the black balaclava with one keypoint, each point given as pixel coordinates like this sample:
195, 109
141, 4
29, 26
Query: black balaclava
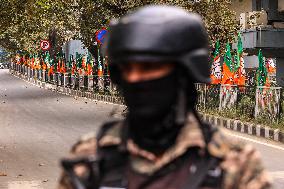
157, 110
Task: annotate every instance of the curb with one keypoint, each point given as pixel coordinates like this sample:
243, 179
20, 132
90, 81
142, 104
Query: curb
69, 91
247, 128
236, 125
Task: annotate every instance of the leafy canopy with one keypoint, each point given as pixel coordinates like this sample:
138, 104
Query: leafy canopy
24, 23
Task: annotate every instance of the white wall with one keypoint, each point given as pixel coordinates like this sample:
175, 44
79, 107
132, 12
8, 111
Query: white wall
73, 46
251, 61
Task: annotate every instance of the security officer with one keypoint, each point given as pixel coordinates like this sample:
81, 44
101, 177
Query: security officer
156, 54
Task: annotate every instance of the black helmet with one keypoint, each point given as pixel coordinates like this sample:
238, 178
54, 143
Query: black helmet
160, 34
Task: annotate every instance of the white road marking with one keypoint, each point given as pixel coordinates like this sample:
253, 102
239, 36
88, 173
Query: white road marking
24, 185
255, 141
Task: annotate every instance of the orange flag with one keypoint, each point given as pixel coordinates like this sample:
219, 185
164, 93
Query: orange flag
270, 65
50, 71
74, 68
63, 69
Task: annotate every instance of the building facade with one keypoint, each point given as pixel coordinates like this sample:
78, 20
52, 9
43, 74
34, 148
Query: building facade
262, 27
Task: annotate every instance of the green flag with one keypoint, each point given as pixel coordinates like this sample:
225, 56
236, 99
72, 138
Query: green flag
228, 58
239, 52
47, 59
228, 67
240, 44
89, 59
261, 72
71, 61
79, 60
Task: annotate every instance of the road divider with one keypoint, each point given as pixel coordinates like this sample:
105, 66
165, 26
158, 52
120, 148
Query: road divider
248, 128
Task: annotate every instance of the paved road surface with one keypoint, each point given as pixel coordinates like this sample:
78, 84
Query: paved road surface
38, 126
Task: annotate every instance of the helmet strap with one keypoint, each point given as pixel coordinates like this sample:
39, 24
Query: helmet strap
181, 104
181, 107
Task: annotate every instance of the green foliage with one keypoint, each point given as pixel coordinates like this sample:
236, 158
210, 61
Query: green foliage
24, 23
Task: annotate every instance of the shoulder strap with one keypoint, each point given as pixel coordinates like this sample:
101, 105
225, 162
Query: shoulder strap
113, 159
207, 129
106, 127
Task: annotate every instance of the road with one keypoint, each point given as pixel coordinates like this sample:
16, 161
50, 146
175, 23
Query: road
37, 128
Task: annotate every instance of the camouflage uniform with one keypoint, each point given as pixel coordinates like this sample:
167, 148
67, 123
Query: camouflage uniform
240, 164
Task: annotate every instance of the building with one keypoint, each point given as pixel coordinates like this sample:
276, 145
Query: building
262, 27
72, 47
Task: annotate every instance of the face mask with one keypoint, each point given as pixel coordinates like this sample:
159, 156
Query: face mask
151, 116
150, 99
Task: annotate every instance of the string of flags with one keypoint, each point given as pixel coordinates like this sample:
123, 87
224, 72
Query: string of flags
81, 64
232, 72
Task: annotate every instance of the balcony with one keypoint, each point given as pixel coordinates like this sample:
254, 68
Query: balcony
270, 40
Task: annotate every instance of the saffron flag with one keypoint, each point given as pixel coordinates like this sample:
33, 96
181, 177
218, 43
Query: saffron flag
228, 71
74, 67
50, 71
100, 69
262, 79
63, 68
271, 68
216, 74
18, 58
89, 64
43, 66
33, 63
25, 61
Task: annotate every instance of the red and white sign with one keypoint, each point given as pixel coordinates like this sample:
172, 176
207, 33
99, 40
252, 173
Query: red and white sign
44, 45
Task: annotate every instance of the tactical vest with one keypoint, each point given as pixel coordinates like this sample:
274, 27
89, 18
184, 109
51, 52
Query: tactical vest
111, 168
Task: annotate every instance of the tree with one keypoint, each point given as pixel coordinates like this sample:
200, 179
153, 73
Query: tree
24, 23
218, 18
